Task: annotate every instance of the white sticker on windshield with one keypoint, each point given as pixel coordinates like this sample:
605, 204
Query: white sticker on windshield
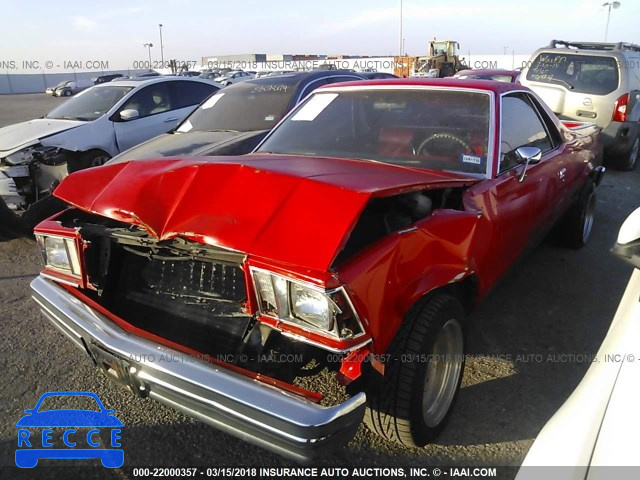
314, 107
185, 127
212, 101
475, 160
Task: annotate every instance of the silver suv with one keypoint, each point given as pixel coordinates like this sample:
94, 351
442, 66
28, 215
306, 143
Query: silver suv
596, 82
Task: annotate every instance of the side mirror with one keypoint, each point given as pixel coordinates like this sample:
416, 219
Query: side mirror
528, 156
627, 246
129, 114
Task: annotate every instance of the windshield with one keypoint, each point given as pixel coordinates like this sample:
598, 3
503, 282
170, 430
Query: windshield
578, 73
242, 107
426, 128
62, 402
90, 104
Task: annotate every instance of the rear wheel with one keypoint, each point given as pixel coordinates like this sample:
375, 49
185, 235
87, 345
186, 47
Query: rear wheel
576, 226
630, 160
67, 93
413, 401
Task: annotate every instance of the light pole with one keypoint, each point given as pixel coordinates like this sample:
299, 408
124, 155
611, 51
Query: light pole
161, 46
400, 28
149, 45
609, 4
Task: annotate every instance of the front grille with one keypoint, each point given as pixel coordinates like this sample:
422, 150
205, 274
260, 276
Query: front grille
195, 302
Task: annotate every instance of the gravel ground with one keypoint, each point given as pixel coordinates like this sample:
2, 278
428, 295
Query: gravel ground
554, 303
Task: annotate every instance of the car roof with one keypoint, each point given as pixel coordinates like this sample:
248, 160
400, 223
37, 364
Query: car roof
457, 83
297, 78
488, 71
151, 80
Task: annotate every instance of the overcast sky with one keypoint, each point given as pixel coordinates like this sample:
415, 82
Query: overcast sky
116, 30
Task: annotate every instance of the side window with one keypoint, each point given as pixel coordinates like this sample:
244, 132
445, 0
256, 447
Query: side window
521, 127
187, 94
150, 100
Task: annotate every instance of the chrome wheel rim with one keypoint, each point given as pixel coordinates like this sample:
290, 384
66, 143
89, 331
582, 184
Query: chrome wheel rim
443, 373
589, 215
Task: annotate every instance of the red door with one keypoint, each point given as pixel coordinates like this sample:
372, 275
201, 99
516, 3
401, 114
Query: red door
518, 214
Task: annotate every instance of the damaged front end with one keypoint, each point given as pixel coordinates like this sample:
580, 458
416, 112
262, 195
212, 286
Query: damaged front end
205, 303
30, 174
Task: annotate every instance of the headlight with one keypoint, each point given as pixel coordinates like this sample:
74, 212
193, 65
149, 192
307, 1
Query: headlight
59, 253
20, 157
310, 307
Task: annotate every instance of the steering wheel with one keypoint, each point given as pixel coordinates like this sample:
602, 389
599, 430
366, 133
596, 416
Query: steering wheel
441, 136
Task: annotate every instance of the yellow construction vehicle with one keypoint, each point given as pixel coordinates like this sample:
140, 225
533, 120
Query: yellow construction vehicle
442, 61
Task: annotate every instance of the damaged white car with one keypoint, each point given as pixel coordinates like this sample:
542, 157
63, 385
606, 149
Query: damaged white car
87, 130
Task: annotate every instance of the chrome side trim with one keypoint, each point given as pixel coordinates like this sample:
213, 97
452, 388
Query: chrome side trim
248, 409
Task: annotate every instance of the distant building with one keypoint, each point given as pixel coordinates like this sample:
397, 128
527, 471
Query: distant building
249, 58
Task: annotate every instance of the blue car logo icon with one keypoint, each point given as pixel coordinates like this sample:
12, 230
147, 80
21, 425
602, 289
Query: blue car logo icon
35, 431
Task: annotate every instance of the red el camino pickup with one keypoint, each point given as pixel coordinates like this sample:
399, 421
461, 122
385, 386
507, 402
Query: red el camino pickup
348, 248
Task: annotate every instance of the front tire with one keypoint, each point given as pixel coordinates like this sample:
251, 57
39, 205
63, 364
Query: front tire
414, 399
94, 158
67, 93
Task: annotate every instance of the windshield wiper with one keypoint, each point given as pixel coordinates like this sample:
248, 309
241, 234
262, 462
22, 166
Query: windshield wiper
224, 130
562, 82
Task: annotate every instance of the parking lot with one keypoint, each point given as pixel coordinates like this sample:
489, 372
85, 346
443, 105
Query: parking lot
529, 345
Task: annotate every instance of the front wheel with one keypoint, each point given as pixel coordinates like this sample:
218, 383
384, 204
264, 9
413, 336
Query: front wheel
413, 402
67, 93
94, 158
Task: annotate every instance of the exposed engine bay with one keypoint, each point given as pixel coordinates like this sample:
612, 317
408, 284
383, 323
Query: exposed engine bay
387, 215
31, 174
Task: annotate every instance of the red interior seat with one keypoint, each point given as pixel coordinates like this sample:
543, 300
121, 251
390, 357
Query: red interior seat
395, 142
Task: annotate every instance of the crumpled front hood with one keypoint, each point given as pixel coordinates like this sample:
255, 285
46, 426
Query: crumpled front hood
28, 133
293, 210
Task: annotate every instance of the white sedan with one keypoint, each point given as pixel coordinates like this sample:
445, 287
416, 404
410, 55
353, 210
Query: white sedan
594, 435
90, 128
234, 76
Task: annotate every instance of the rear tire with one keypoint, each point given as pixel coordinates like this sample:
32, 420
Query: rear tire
414, 399
629, 160
576, 226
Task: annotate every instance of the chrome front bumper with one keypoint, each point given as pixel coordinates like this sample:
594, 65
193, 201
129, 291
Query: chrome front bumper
250, 410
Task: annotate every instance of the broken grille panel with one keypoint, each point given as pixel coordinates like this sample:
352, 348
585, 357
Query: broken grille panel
197, 303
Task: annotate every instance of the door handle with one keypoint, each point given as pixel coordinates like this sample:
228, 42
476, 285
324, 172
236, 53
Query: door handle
172, 119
